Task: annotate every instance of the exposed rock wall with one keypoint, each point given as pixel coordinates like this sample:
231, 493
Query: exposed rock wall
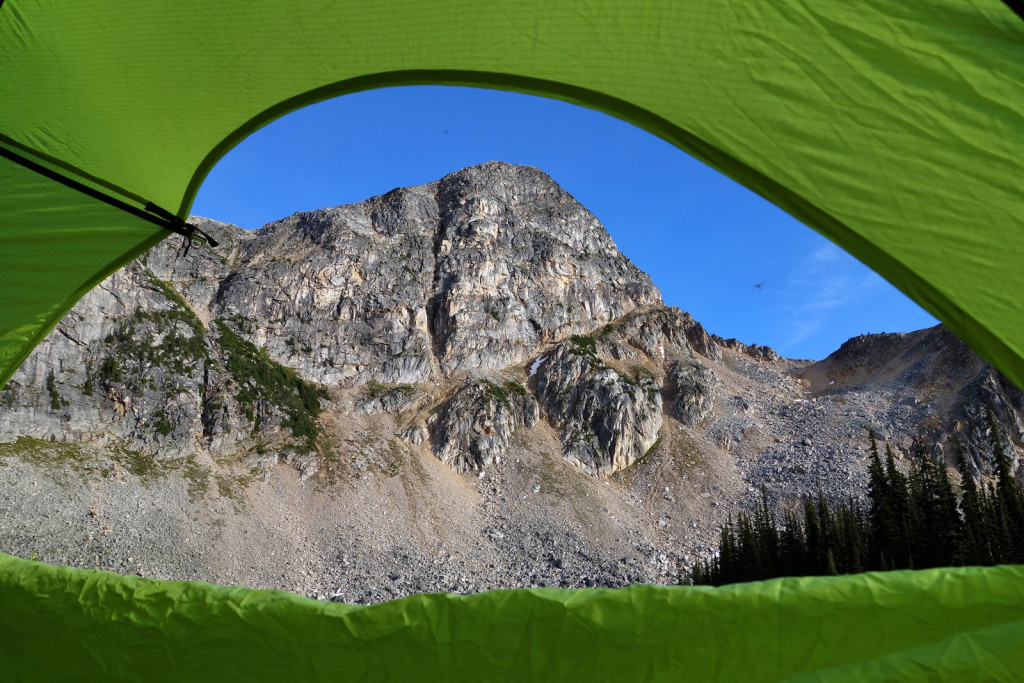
755, 351
692, 398
607, 420
477, 271
473, 429
127, 364
935, 374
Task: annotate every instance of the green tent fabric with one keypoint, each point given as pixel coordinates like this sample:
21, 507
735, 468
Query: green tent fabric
892, 128
965, 624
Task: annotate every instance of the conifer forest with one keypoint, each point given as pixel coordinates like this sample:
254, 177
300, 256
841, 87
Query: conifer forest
916, 520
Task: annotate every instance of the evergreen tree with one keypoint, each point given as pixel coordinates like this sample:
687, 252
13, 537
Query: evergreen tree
1000, 526
913, 521
767, 534
812, 566
792, 546
995, 525
1011, 497
697, 577
918, 497
726, 555
853, 537
898, 546
748, 563
830, 564
978, 549
949, 525
928, 548
881, 517
827, 533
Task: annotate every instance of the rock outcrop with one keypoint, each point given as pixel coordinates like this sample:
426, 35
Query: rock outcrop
474, 428
692, 398
475, 272
755, 351
607, 419
941, 374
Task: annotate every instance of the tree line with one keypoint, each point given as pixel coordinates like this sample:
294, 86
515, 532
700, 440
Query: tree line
913, 521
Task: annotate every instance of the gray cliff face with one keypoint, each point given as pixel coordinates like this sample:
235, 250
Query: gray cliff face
603, 392
141, 365
948, 385
114, 370
416, 301
375, 307
607, 419
522, 265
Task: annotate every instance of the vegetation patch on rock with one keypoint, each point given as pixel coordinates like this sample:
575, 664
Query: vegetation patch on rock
259, 377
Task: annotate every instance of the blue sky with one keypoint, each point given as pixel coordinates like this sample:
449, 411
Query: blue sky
706, 241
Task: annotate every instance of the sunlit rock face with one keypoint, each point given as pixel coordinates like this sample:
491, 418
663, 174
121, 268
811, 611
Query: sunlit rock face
693, 396
474, 428
477, 271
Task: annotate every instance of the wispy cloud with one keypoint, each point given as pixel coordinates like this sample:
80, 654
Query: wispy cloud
818, 284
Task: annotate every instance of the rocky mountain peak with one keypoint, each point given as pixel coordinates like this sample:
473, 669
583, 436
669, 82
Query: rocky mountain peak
476, 271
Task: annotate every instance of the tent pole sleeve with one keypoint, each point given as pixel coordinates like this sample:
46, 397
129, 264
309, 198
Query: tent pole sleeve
152, 213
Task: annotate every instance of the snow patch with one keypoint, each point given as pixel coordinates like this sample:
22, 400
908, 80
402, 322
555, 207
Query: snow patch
536, 365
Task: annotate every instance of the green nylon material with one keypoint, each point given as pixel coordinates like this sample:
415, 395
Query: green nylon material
966, 622
892, 128
57, 245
